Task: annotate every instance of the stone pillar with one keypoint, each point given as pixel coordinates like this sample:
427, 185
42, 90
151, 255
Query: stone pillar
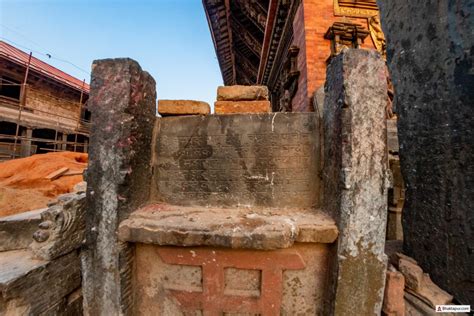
430, 57
64, 142
26, 143
122, 102
354, 177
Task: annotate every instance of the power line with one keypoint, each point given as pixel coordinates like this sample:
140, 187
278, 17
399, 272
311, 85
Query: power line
22, 35
50, 56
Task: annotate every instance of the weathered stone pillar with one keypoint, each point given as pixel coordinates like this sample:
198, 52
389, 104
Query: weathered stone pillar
430, 56
26, 143
122, 102
354, 177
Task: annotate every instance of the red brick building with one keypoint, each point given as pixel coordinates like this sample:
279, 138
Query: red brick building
42, 108
285, 44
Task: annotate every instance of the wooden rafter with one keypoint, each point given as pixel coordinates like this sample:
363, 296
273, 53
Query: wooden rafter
254, 13
247, 37
229, 30
246, 65
217, 19
237, 28
244, 73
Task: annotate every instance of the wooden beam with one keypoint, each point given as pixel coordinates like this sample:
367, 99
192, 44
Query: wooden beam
246, 60
266, 39
216, 13
249, 68
243, 77
229, 30
247, 37
253, 13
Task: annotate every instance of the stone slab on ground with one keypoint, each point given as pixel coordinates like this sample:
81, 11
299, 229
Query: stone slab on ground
393, 302
412, 272
183, 107
16, 231
430, 293
416, 307
249, 228
242, 107
268, 160
242, 93
30, 286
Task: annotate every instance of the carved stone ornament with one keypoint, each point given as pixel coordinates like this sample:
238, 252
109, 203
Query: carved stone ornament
377, 35
61, 229
289, 79
345, 35
355, 8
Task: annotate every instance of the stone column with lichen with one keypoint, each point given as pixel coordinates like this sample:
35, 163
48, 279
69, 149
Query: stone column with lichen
123, 105
354, 179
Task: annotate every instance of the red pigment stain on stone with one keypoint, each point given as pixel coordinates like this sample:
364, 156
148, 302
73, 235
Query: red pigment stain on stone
212, 300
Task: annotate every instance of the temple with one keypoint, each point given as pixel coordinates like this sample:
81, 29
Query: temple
287, 198
286, 45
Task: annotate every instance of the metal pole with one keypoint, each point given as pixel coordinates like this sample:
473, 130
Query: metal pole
22, 102
80, 112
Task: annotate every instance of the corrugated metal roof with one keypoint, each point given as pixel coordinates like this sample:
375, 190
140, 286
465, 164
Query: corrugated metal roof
20, 57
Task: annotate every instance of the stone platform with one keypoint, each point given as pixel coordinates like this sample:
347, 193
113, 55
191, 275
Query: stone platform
244, 260
249, 228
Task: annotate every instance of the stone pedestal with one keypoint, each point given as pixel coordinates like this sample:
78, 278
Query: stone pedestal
242, 261
173, 280
222, 213
233, 225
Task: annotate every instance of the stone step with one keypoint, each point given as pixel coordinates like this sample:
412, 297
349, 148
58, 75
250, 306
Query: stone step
246, 227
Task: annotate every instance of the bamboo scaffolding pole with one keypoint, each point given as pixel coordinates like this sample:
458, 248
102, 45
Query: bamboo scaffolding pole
80, 114
22, 102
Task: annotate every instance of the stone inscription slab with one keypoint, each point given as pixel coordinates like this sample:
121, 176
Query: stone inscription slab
265, 160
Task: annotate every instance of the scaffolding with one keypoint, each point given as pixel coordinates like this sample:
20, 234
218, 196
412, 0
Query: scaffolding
17, 145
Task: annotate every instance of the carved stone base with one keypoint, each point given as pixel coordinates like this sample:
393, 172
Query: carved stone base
180, 280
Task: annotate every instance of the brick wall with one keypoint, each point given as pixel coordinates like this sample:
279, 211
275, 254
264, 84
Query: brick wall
300, 100
311, 22
58, 105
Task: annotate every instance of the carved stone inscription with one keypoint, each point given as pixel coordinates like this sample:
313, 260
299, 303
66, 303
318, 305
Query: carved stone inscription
238, 160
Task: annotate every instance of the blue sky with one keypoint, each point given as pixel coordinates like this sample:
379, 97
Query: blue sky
169, 38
